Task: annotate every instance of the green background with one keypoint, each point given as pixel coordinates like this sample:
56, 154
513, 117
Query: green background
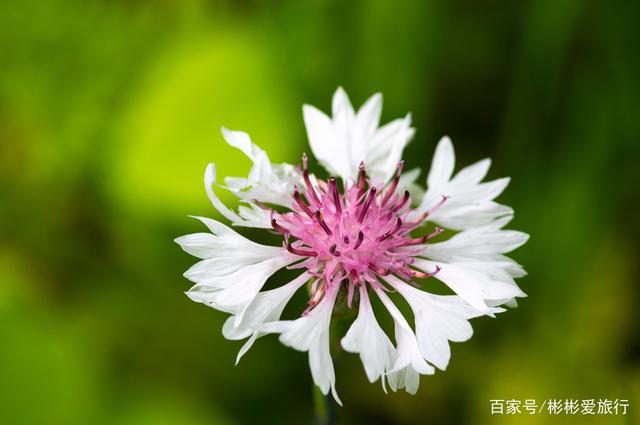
110, 110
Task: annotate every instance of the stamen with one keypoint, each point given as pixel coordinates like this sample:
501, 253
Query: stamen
438, 205
403, 201
322, 223
355, 278
359, 241
278, 227
379, 270
298, 251
422, 217
406, 275
435, 233
350, 290
333, 189
392, 231
367, 204
394, 184
362, 179
322, 185
308, 264
418, 241
327, 229
298, 198
314, 286
397, 226
305, 174
317, 296
424, 275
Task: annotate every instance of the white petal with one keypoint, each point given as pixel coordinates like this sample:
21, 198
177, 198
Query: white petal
473, 173
366, 337
209, 181
261, 169
514, 269
409, 362
358, 132
481, 192
439, 319
368, 117
477, 242
341, 107
468, 216
323, 141
212, 268
311, 333
254, 216
512, 303
199, 245
474, 282
225, 243
348, 138
469, 203
406, 343
246, 346
462, 196
268, 183
407, 378
234, 292
386, 149
442, 164
266, 307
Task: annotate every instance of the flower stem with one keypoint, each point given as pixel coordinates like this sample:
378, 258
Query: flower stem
323, 412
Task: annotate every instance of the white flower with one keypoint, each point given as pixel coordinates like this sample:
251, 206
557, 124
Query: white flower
358, 237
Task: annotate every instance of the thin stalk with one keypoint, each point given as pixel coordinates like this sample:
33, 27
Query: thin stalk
323, 409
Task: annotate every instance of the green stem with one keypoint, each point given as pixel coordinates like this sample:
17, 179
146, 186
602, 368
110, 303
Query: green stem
323, 412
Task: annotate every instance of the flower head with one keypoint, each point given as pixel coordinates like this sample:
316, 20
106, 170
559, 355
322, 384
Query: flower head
367, 231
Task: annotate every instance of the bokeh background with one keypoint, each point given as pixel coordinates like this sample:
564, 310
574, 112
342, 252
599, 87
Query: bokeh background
110, 110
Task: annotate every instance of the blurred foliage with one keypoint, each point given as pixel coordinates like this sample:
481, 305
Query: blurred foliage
109, 112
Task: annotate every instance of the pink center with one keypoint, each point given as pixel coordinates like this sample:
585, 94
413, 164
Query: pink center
353, 236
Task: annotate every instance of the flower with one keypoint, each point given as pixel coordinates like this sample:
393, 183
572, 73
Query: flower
361, 235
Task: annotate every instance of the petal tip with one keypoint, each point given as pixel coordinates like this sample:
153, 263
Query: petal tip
445, 140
